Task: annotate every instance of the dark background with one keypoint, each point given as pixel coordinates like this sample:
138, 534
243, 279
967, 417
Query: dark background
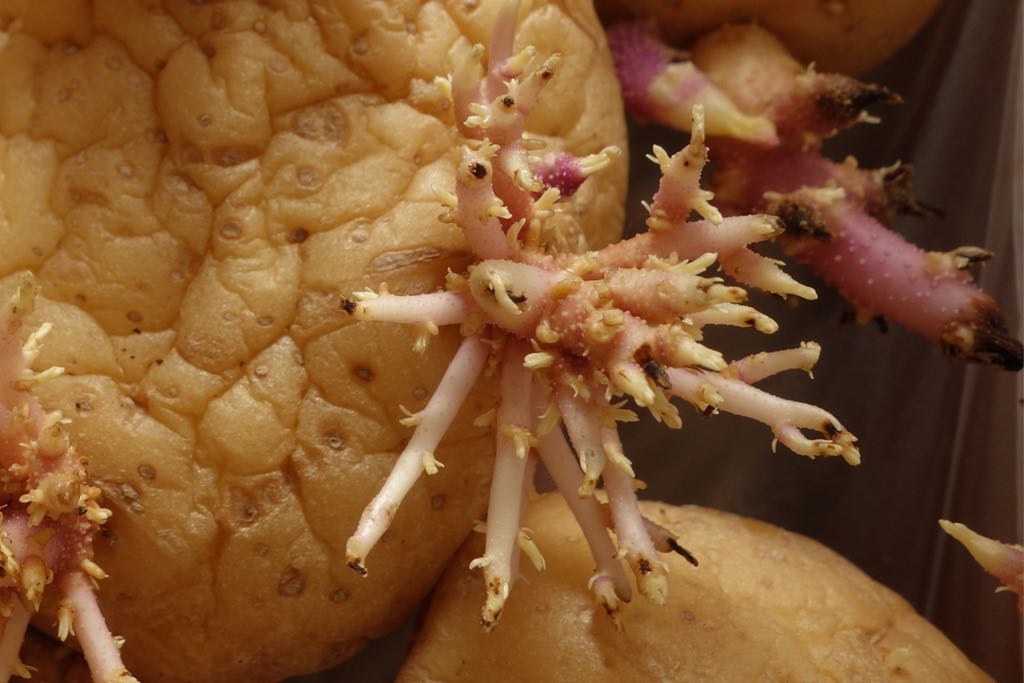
939, 440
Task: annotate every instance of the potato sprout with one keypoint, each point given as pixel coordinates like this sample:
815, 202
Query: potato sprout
571, 334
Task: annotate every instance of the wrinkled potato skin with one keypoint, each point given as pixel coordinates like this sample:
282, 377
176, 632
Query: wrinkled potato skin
848, 36
196, 186
764, 605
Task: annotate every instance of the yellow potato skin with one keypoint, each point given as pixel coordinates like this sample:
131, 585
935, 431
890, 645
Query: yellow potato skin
848, 36
197, 186
763, 605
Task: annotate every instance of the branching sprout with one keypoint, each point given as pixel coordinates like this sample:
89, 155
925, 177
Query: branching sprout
577, 336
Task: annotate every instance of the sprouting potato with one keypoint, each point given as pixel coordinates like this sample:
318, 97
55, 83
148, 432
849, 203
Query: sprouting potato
571, 334
194, 186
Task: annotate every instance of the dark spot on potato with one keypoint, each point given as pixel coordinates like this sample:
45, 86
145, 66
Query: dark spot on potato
128, 492
349, 306
248, 503
478, 170
298, 236
508, 101
291, 584
643, 566
340, 595
230, 231
233, 156
334, 441
134, 316
437, 502
321, 123
362, 372
83, 405
146, 471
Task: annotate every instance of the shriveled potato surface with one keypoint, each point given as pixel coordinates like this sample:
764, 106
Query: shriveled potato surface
849, 36
196, 186
764, 605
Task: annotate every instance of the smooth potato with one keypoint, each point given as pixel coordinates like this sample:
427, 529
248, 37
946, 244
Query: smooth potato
848, 36
764, 604
196, 187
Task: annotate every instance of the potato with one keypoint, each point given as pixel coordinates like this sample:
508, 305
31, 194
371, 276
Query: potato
848, 36
197, 186
764, 604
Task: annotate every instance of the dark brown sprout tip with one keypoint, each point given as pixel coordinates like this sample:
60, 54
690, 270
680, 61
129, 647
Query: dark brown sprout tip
680, 550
